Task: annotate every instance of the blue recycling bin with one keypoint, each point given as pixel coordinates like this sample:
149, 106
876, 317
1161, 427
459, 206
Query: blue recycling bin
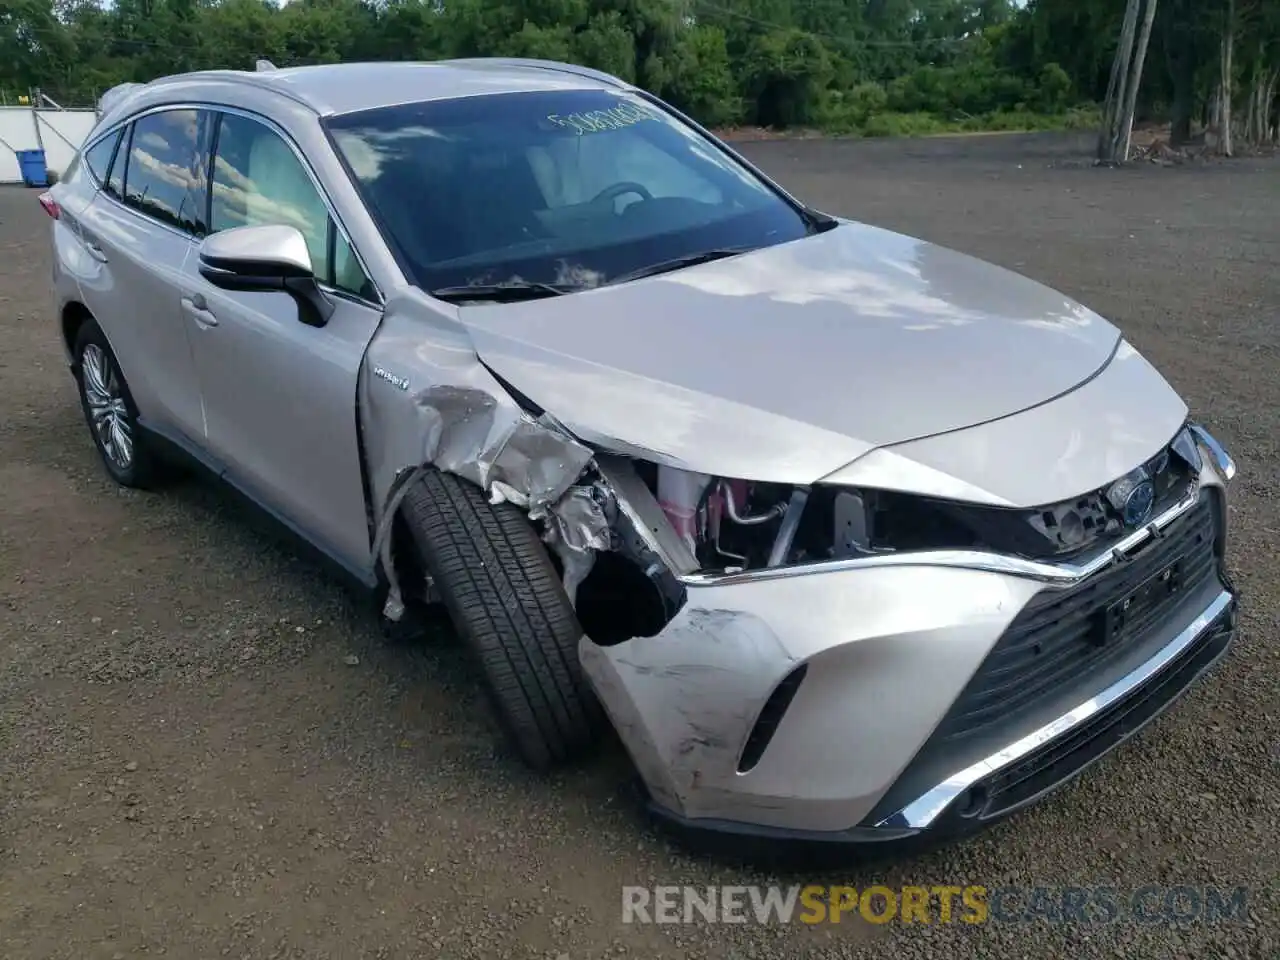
32, 165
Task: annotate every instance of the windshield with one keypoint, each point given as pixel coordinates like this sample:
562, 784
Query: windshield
564, 188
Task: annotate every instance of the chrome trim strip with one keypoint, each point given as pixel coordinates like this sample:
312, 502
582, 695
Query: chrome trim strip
1223, 461
924, 810
1061, 574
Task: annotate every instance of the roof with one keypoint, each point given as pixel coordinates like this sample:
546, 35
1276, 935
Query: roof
347, 87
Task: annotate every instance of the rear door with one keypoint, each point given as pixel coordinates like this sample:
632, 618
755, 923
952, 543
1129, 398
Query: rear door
141, 228
280, 396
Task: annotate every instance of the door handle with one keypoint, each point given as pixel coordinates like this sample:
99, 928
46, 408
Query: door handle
198, 310
95, 251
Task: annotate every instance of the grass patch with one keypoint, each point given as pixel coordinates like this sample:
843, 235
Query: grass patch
855, 123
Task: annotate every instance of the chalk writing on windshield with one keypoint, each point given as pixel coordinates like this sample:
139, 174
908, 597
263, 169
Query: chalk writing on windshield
598, 121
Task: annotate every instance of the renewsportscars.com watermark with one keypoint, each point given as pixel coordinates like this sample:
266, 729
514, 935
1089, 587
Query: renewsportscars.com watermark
972, 904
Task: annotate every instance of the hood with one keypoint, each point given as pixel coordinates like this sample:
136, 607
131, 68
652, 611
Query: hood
787, 363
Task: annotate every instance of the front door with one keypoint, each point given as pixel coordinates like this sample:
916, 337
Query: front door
280, 396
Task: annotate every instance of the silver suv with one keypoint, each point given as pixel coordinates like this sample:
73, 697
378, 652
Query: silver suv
851, 536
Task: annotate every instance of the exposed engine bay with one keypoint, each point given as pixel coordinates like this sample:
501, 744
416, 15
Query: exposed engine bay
641, 526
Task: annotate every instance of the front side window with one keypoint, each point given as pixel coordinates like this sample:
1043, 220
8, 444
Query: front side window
567, 187
98, 157
258, 180
160, 178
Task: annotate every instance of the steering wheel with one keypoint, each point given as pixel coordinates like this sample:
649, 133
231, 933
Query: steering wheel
621, 190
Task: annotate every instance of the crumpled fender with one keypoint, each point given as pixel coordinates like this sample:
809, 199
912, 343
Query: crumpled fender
425, 401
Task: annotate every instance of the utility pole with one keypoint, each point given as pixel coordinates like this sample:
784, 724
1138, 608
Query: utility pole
35, 116
1117, 88
1135, 80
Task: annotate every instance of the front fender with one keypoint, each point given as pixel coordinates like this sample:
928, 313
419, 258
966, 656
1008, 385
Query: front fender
426, 400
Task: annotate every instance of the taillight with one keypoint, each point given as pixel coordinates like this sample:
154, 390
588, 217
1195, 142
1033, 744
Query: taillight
50, 205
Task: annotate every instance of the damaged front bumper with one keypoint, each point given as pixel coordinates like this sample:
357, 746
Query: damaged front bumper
830, 694
891, 701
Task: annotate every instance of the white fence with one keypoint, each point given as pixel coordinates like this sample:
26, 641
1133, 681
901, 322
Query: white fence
59, 132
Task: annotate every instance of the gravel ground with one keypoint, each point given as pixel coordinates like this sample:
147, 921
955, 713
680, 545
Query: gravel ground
207, 749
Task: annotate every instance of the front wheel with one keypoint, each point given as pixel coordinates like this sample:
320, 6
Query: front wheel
506, 601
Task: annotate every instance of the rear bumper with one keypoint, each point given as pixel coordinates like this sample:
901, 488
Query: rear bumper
1025, 770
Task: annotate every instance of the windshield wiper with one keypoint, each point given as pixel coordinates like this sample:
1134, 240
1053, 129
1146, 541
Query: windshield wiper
509, 291
689, 260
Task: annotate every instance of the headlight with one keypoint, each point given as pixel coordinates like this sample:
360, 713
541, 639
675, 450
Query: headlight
730, 524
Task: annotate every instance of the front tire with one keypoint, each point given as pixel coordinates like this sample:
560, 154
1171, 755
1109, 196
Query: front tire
110, 412
506, 601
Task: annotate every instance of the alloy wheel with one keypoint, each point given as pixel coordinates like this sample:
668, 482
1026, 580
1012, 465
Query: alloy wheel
108, 411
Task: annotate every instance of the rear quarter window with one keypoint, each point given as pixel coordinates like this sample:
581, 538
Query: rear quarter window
115, 181
97, 159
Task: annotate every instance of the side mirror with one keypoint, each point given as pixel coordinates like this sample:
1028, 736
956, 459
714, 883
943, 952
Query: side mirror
268, 257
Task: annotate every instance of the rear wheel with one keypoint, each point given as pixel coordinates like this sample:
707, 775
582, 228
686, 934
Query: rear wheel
109, 410
504, 597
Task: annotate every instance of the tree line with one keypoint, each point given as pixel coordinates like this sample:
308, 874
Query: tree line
850, 66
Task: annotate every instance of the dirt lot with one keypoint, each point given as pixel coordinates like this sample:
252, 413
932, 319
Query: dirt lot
207, 750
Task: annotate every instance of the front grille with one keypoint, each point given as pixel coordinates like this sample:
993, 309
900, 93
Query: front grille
1067, 529
1044, 769
1055, 640
1062, 647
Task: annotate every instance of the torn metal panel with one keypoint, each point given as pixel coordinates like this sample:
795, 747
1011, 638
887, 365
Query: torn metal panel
425, 398
579, 525
508, 454
393, 608
582, 519
427, 401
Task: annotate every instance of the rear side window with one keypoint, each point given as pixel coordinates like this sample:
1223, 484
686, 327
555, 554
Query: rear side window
161, 179
98, 157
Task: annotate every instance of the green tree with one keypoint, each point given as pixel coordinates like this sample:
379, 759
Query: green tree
784, 74
849, 64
